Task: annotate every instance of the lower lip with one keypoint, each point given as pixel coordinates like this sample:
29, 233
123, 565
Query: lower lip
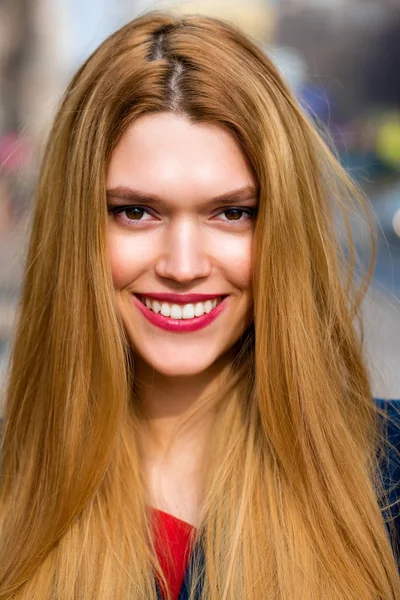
180, 325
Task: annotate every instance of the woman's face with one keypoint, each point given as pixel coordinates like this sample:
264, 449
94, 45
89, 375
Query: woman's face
182, 204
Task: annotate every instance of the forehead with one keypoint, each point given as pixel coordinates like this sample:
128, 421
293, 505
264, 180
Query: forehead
169, 156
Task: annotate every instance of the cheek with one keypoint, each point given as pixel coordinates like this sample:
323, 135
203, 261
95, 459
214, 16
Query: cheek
236, 256
125, 259
244, 270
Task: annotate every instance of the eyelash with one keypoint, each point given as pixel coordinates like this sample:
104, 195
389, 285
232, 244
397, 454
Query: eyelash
117, 211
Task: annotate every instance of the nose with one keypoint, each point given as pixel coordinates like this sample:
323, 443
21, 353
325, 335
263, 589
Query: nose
183, 257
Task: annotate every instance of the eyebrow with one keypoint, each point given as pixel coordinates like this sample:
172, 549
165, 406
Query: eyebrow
131, 195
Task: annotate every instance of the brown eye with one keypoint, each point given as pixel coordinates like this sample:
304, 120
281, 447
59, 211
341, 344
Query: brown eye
238, 215
235, 213
128, 215
134, 213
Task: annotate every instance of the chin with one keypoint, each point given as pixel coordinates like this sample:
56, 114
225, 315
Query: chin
178, 367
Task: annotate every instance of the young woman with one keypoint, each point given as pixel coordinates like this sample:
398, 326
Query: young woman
188, 392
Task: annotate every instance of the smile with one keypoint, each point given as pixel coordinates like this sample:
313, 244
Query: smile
180, 317
181, 311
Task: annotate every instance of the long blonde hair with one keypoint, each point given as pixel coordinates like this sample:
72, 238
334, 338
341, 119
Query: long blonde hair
291, 504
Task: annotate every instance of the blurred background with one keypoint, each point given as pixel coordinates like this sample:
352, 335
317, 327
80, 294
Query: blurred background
340, 57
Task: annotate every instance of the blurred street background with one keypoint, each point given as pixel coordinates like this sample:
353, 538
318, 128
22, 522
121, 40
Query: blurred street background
340, 57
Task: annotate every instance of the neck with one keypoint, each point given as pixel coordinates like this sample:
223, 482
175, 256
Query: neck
178, 411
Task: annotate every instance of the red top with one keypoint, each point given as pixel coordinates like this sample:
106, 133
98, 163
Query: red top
172, 542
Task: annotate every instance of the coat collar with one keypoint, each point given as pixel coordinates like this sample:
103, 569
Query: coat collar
198, 554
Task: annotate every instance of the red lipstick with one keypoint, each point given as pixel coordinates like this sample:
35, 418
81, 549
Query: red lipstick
180, 325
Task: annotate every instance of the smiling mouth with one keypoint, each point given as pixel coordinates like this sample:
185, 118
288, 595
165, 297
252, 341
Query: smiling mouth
173, 310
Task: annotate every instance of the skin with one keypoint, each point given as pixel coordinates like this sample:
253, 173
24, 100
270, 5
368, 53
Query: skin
183, 244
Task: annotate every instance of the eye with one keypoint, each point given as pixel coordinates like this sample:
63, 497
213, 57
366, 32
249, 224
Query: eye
236, 213
129, 214
134, 213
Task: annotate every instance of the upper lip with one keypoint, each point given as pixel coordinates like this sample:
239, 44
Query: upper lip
181, 298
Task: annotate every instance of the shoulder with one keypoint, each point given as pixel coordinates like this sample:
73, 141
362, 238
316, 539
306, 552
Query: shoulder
392, 407
391, 431
390, 467
391, 410
391, 413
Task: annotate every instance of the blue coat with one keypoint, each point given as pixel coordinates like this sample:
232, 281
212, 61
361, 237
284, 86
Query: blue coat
390, 476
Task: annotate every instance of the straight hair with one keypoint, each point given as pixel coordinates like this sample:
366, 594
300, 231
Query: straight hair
292, 501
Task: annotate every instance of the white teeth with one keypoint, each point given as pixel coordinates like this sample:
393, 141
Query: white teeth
176, 312
165, 309
199, 309
208, 306
186, 311
156, 306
